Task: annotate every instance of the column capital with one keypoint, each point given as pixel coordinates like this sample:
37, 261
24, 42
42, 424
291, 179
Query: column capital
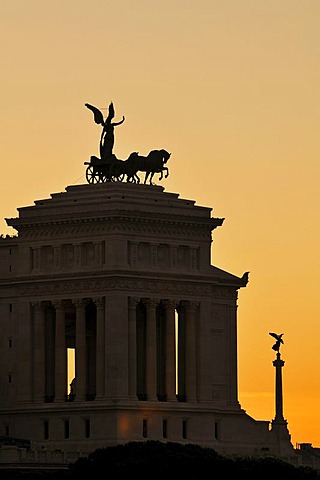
80, 302
170, 304
58, 304
133, 302
150, 303
193, 307
38, 306
99, 302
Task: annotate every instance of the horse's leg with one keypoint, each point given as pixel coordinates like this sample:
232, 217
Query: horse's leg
146, 176
167, 170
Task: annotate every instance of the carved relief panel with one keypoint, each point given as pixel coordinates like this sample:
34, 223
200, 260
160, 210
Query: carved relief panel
66, 257
163, 257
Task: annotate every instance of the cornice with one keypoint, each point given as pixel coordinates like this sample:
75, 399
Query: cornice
132, 286
114, 221
97, 227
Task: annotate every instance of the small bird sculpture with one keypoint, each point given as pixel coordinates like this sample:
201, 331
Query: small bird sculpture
276, 346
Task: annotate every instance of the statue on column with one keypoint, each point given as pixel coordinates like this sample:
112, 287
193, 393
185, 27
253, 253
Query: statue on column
278, 337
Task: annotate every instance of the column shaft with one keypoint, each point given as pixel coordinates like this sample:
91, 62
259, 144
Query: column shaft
39, 352
191, 350
151, 350
170, 351
132, 346
81, 351
100, 353
60, 355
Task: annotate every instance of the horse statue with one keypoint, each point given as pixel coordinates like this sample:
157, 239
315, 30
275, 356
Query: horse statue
153, 163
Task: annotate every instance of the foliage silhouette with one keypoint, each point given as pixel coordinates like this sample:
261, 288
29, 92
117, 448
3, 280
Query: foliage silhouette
159, 460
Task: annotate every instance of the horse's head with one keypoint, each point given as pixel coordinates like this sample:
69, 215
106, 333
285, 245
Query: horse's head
165, 155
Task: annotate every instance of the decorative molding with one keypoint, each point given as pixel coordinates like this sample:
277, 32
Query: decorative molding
156, 287
119, 225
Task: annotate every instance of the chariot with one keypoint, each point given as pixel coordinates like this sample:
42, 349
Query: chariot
100, 171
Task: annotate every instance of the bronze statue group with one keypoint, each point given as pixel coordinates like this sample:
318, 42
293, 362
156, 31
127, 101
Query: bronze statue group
109, 168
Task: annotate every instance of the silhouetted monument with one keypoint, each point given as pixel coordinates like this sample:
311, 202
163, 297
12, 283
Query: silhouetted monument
120, 273
279, 424
279, 341
108, 168
107, 134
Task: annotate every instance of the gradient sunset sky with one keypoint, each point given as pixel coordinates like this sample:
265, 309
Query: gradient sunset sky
232, 89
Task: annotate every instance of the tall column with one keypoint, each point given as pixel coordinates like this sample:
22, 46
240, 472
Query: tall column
24, 354
170, 350
151, 349
116, 346
278, 364
100, 353
60, 354
81, 350
232, 352
39, 352
132, 346
191, 351
204, 362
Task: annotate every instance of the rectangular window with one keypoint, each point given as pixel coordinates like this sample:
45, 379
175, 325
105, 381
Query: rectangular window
66, 429
9, 378
10, 307
87, 427
216, 431
145, 429
10, 342
164, 428
46, 430
184, 429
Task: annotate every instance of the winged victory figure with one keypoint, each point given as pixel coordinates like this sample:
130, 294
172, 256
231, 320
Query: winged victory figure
107, 134
276, 346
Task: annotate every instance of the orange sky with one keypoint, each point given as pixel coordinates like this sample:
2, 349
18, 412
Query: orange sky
231, 89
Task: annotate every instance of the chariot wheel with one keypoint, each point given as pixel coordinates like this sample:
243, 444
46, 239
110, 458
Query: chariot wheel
93, 175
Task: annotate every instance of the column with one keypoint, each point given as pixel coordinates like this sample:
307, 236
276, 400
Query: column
278, 364
170, 350
151, 349
132, 346
39, 352
100, 353
60, 354
81, 350
116, 346
24, 353
191, 351
204, 357
232, 352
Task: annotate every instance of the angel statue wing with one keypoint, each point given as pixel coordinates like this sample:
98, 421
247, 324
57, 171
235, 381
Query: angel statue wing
276, 346
97, 115
111, 113
276, 336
